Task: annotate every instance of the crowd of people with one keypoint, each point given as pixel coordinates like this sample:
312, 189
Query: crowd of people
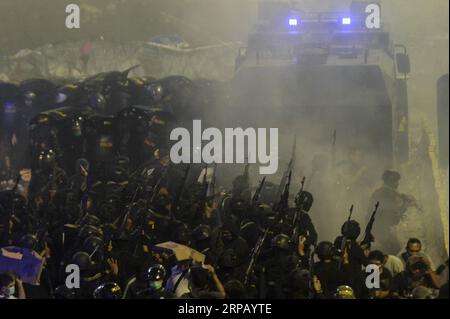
111, 213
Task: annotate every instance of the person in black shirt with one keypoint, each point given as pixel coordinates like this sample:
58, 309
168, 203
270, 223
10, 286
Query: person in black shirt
326, 269
353, 256
303, 223
232, 251
280, 262
47, 179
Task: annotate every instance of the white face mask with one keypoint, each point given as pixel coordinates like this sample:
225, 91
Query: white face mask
10, 291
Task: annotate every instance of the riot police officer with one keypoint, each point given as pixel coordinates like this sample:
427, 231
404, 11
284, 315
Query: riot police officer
302, 222
352, 255
155, 278
232, 251
48, 177
327, 268
280, 261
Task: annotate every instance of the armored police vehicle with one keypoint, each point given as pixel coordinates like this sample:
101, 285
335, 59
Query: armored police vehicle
316, 73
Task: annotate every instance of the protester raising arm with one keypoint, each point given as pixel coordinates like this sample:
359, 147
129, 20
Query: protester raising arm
21, 291
219, 286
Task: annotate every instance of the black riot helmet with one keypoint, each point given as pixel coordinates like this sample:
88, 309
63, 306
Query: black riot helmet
155, 272
29, 98
47, 158
325, 250
269, 193
77, 125
97, 189
91, 220
304, 200
92, 245
62, 292
112, 189
299, 280
97, 101
108, 211
89, 230
29, 241
119, 174
351, 229
266, 215
109, 290
38, 93
281, 241
82, 260
201, 232
240, 183
156, 91
182, 234
122, 161
239, 206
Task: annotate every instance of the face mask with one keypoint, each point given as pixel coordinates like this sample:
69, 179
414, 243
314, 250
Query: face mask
156, 284
11, 290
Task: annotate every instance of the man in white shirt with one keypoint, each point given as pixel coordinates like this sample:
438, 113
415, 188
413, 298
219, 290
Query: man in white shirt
394, 264
414, 248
